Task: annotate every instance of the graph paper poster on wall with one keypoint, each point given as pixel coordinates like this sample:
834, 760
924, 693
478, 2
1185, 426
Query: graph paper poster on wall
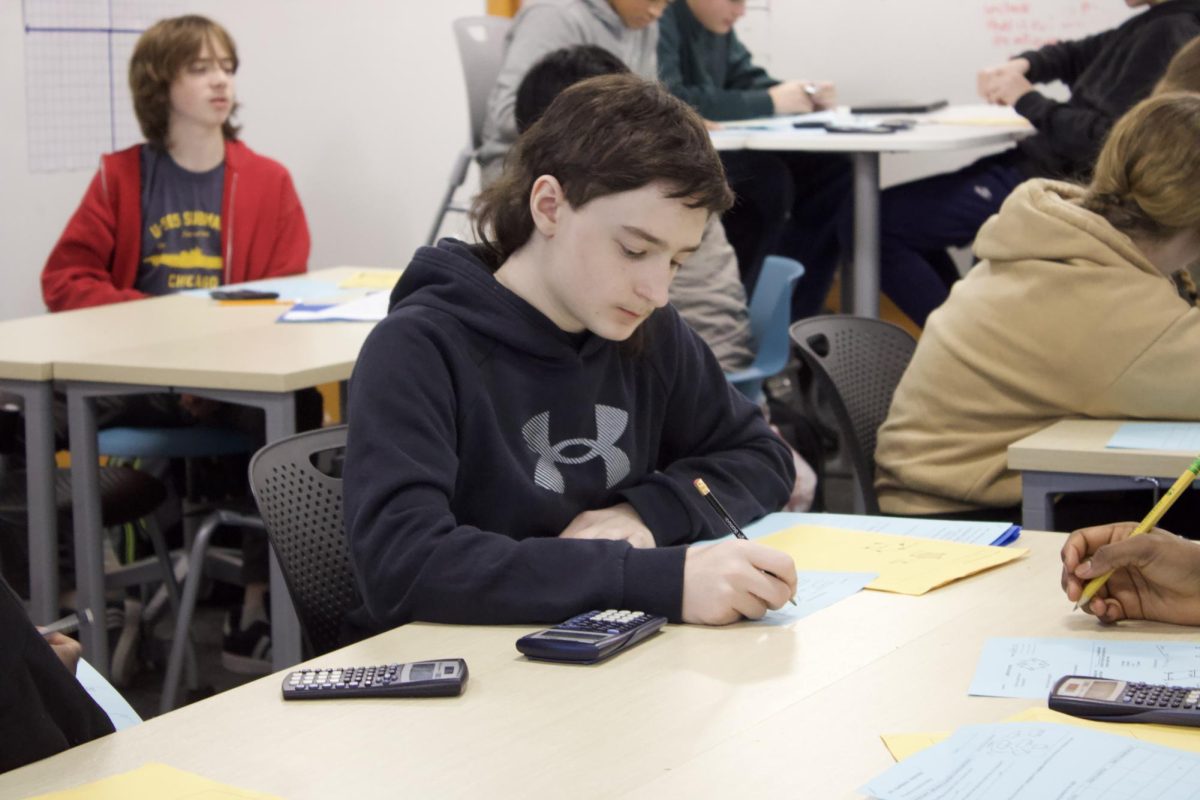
76, 77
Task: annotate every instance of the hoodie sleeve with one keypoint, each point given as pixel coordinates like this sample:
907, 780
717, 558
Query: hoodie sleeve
1065, 61
1162, 381
412, 558
711, 432
289, 253
744, 95
537, 30
1076, 133
78, 273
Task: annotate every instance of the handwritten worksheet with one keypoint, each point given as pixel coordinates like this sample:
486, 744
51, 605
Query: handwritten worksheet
905, 564
1170, 437
818, 590
1019, 667
1037, 759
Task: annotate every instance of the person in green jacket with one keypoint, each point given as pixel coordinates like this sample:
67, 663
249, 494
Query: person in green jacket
787, 202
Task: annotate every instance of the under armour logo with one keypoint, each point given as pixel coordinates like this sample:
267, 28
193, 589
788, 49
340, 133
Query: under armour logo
983, 192
610, 424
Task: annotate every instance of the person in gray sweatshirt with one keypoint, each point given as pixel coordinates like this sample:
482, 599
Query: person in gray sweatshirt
626, 28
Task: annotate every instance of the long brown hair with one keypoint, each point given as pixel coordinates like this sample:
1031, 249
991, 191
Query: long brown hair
1183, 73
1147, 177
601, 136
161, 52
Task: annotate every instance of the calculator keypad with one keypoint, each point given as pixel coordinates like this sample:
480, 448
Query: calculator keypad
1152, 696
612, 621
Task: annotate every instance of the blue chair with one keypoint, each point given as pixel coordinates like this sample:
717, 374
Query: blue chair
770, 314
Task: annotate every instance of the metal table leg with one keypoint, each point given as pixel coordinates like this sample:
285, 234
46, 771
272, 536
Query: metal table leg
860, 289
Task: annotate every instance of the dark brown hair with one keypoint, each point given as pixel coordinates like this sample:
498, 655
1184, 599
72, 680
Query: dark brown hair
162, 51
601, 136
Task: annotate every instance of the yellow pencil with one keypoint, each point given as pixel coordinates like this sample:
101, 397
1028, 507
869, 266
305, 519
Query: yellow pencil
1161, 507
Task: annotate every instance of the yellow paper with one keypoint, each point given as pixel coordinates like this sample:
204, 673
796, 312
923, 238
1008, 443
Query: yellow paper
156, 782
905, 564
372, 279
903, 745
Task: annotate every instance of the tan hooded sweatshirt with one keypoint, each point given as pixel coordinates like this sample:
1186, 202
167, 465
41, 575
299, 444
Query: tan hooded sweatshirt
1063, 317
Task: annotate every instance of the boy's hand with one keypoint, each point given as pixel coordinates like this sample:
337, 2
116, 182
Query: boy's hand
1156, 575
620, 522
67, 649
1004, 84
727, 581
791, 97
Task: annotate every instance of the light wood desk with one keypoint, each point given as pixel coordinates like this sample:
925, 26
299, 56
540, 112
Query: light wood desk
751, 710
1070, 456
31, 347
953, 128
191, 344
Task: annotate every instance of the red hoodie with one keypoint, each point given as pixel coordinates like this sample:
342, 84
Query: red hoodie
263, 231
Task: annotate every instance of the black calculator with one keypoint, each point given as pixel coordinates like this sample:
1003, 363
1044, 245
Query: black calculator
1108, 700
443, 678
591, 637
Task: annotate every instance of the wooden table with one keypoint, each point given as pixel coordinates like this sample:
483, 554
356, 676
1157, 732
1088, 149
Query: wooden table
1070, 456
953, 128
190, 344
751, 710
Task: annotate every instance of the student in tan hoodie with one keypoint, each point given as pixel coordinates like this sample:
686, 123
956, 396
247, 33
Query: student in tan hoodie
1080, 307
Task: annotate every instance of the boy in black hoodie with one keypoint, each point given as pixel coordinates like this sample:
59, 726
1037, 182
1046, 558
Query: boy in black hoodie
1108, 73
528, 420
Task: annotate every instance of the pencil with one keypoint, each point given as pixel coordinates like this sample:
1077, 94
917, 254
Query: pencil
734, 528
1161, 507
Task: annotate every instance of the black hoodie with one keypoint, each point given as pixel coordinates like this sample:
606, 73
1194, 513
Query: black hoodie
479, 430
1108, 74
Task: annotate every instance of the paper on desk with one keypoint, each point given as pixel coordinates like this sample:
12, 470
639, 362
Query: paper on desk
372, 279
1028, 667
1037, 759
108, 698
371, 308
818, 590
785, 121
904, 745
294, 289
905, 564
996, 533
1172, 437
156, 782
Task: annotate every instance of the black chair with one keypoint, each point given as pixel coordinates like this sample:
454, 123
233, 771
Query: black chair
298, 487
857, 363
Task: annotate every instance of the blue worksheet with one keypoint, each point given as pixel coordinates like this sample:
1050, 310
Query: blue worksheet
117, 707
1019, 667
288, 288
1040, 760
817, 590
997, 533
1172, 437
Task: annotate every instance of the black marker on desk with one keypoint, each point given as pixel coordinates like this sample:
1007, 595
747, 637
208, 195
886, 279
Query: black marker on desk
734, 528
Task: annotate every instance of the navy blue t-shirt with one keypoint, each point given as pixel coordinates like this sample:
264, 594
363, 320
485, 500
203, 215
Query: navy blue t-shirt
181, 226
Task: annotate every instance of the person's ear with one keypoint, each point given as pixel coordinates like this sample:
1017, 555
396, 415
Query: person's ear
546, 202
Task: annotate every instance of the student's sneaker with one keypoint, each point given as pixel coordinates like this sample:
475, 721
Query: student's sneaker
247, 651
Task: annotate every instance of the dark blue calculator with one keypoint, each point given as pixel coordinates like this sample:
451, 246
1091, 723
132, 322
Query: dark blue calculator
591, 637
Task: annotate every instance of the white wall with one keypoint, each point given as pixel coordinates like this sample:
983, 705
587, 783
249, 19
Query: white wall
363, 101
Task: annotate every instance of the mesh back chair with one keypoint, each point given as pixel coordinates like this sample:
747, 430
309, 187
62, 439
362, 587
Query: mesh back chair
480, 43
301, 505
857, 362
770, 312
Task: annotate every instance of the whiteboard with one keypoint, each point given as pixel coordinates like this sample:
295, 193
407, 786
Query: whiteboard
363, 101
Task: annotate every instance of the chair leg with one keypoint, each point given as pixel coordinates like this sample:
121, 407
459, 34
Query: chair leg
171, 586
187, 607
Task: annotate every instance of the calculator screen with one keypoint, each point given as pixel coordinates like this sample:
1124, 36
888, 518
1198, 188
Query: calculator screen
1100, 690
574, 636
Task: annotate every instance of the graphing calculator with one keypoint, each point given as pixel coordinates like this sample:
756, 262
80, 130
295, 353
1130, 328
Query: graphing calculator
442, 678
1107, 700
591, 637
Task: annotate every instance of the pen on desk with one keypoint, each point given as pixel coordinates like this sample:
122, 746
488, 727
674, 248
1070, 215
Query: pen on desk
1161, 507
734, 528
